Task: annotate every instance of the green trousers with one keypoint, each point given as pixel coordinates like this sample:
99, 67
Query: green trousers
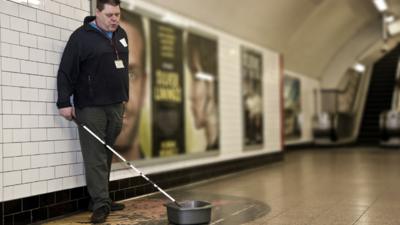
106, 123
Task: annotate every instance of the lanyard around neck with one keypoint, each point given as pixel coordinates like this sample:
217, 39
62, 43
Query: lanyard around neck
112, 39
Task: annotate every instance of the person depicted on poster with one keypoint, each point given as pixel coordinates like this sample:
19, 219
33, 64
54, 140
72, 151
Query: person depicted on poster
252, 97
128, 142
202, 64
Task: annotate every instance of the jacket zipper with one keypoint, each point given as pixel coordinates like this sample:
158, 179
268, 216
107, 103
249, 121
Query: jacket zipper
91, 94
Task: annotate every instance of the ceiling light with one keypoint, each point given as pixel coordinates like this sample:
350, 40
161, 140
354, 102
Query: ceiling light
359, 67
389, 19
204, 76
381, 5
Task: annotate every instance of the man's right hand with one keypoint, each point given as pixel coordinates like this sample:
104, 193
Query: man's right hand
68, 113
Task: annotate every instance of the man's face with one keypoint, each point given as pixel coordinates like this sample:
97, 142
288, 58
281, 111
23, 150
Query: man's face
108, 18
128, 137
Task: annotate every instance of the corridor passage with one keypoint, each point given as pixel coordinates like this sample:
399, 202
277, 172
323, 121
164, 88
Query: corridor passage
343, 186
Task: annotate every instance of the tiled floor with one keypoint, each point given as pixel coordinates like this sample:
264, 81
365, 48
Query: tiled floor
346, 186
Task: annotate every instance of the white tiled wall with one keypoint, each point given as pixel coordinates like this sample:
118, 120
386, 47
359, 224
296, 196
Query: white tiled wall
39, 150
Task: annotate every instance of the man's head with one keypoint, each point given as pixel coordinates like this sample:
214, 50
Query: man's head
108, 14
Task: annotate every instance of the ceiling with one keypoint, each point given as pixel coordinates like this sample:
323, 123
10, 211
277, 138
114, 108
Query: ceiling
311, 34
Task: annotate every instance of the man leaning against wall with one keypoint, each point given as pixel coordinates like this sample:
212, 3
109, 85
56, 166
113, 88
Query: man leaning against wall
93, 86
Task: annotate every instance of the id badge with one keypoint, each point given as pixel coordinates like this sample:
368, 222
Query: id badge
119, 64
123, 42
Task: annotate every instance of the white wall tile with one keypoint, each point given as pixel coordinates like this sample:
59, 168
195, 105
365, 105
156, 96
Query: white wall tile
37, 55
38, 134
38, 108
36, 28
7, 164
44, 17
29, 121
21, 135
51, 83
19, 52
11, 121
30, 148
73, 3
29, 94
4, 21
19, 107
9, 36
69, 158
58, 46
54, 185
39, 187
85, 5
67, 11
11, 178
11, 93
29, 176
7, 107
7, 7
65, 34
28, 40
8, 193
80, 14
53, 57
47, 95
46, 121
29, 67
52, 109
22, 162
39, 161
45, 43
55, 159
52, 6
73, 24
53, 32
38, 82
19, 24
18, 79
7, 135
21, 191
46, 173
67, 146
27, 12
6, 50
62, 171
46, 147
70, 182
45, 69
60, 21
9, 64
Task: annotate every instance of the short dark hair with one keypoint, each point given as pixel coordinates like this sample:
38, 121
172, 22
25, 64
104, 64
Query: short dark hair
100, 3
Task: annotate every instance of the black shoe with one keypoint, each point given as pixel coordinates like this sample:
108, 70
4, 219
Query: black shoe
100, 215
117, 206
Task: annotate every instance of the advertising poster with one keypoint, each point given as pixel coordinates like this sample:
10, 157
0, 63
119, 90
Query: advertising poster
202, 109
167, 90
292, 107
252, 97
134, 140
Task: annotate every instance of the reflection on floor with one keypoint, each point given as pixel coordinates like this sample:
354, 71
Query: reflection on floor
347, 186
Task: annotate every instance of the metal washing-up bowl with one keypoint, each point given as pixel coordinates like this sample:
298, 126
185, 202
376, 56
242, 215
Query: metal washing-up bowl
189, 212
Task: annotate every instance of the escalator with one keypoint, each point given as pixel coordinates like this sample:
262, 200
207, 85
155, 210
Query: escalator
379, 97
